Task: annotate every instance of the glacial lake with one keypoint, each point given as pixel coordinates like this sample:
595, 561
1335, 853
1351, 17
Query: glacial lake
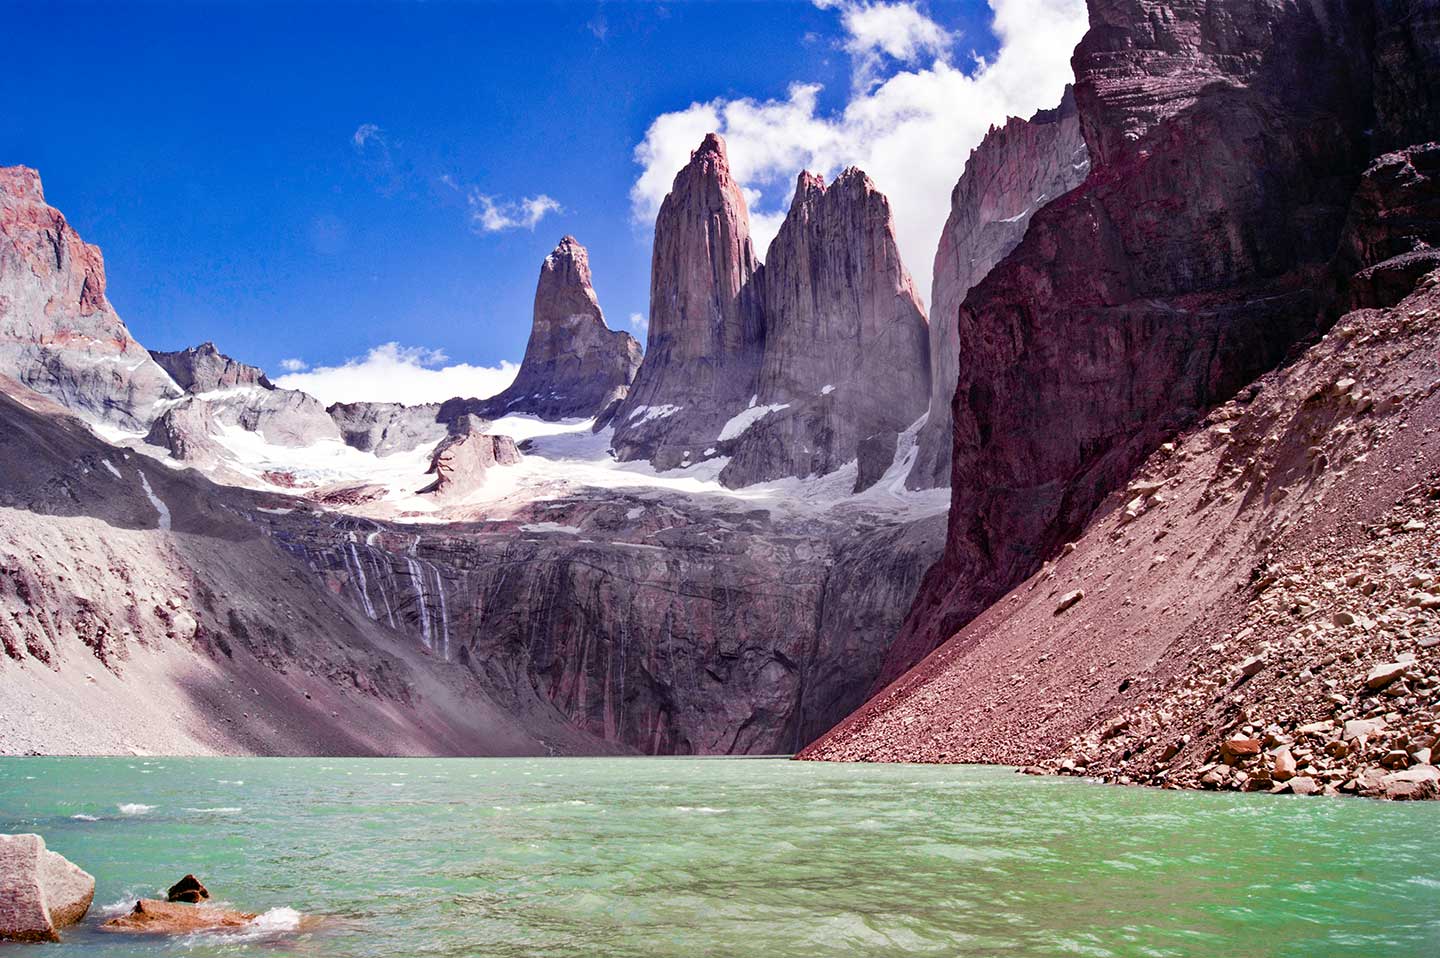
724, 857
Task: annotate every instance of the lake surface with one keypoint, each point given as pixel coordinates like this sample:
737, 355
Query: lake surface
719, 857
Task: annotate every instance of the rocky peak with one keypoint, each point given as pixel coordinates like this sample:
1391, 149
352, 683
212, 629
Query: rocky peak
1016, 169
58, 333
574, 365
707, 327
846, 349
204, 368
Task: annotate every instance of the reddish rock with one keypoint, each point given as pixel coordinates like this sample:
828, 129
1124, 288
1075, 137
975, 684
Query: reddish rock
58, 333
152, 917
707, 328
188, 889
460, 463
1016, 169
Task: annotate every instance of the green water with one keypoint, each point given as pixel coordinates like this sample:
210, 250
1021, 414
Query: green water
681, 857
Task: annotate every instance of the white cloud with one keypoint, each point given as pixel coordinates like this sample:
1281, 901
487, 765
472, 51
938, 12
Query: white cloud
899, 31
293, 365
639, 323
403, 374
366, 132
912, 132
491, 215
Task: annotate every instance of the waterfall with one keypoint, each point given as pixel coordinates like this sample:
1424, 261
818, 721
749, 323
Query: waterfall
444, 615
380, 581
417, 578
360, 582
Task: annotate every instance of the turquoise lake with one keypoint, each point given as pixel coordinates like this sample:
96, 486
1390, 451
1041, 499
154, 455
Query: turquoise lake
721, 857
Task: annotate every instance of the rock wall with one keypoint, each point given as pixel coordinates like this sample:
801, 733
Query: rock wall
846, 343
707, 326
1226, 142
58, 333
1016, 169
203, 369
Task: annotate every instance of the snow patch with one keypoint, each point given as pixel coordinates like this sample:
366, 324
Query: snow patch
647, 413
110, 466
160, 507
550, 527
743, 420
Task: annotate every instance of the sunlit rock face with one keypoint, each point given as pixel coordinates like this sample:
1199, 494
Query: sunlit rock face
846, 350
59, 335
575, 366
203, 369
1016, 170
707, 326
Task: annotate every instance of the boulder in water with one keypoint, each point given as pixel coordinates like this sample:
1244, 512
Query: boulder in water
152, 917
188, 889
40, 890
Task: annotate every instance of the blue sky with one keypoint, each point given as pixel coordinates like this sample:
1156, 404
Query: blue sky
311, 183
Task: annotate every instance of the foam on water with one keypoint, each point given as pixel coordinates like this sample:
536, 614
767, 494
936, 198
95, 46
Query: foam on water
134, 808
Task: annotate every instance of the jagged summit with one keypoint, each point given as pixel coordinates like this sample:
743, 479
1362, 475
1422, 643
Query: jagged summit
1018, 168
575, 366
204, 368
846, 353
59, 335
707, 327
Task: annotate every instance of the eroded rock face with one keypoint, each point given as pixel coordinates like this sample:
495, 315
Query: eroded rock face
575, 366
190, 428
40, 890
846, 353
384, 428
460, 462
1016, 169
707, 328
58, 333
1189, 262
203, 369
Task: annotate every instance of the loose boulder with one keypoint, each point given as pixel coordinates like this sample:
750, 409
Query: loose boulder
40, 890
188, 889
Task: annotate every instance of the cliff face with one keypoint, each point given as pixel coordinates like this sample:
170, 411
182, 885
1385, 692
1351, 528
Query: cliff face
846, 349
1246, 602
58, 332
1226, 143
203, 368
707, 327
1016, 169
575, 366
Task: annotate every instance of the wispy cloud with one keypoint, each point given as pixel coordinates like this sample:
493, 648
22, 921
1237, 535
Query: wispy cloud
876, 33
405, 374
640, 323
911, 131
491, 215
365, 133
293, 365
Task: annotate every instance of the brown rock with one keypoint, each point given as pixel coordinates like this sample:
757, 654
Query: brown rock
1303, 785
1016, 169
1284, 766
1069, 600
1234, 750
188, 889
152, 917
1382, 675
575, 366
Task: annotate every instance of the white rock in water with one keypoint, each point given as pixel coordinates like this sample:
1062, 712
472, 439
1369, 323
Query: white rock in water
40, 890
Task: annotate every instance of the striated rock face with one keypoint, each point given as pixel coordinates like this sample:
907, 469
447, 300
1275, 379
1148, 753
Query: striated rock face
58, 333
460, 462
1227, 141
707, 329
575, 366
384, 428
190, 428
846, 353
1016, 169
203, 369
